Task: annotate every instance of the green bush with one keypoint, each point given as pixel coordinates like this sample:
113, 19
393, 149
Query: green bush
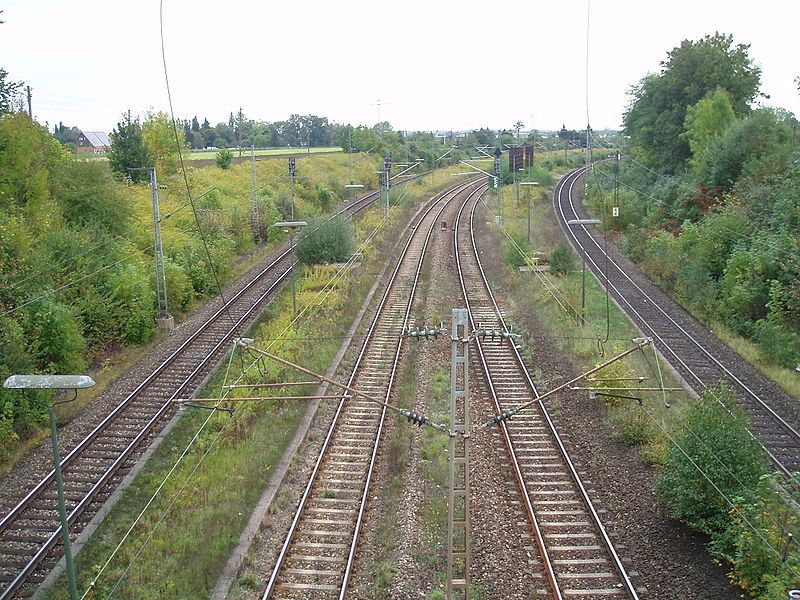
780, 346
59, 343
326, 241
711, 444
514, 258
767, 558
562, 261
224, 159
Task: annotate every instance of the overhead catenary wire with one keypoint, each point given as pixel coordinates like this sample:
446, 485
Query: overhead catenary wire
733, 505
67, 285
191, 201
323, 293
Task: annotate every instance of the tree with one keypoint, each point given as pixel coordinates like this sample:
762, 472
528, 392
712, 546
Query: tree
8, 92
706, 120
518, 127
128, 150
655, 118
195, 124
224, 159
158, 134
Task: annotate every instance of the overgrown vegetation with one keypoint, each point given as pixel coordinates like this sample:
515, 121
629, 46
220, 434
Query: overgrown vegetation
715, 479
76, 275
326, 241
710, 198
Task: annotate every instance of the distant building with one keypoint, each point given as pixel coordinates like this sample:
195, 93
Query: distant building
93, 141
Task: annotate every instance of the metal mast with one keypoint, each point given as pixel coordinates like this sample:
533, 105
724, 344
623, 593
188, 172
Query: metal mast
458, 534
164, 320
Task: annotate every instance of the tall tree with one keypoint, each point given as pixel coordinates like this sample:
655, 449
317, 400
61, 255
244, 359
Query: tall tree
705, 121
655, 118
8, 92
128, 150
195, 124
158, 135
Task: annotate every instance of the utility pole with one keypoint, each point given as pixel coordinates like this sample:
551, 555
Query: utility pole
498, 173
239, 120
255, 212
30, 109
615, 207
387, 166
292, 172
164, 320
458, 530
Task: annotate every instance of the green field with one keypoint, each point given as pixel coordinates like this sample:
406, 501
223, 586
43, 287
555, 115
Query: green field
212, 154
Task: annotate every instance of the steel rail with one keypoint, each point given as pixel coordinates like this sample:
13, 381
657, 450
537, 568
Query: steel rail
550, 571
560, 199
317, 469
217, 317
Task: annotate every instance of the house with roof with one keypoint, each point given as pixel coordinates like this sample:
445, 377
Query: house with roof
93, 141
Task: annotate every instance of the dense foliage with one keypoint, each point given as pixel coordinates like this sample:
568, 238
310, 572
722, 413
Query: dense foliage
720, 234
76, 271
656, 116
327, 241
709, 205
715, 479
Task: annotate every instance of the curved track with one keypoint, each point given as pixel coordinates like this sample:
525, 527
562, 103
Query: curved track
317, 555
577, 555
30, 532
690, 348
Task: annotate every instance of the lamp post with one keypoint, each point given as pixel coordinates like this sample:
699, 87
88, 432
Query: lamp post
290, 226
583, 222
56, 382
534, 183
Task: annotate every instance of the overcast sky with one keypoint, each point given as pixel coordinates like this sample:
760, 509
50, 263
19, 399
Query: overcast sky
433, 64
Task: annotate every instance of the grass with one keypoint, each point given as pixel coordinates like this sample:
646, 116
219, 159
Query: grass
212, 154
788, 379
207, 500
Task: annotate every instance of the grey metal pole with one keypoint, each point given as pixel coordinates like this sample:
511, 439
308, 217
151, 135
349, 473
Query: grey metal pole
529, 217
583, 289
62, 507
294, 274
256, 216
158, 249
458, 529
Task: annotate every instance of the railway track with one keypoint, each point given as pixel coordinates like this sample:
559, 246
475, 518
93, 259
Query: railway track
30, 532
693, 351
575, 551
316, 557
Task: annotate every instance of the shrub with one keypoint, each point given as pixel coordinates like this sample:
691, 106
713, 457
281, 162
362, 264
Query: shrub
326, 242
767, 559
515, 258
224, 159
711, 444
562, 261
780, 346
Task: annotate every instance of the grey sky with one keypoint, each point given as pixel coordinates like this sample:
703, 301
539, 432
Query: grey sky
433, 64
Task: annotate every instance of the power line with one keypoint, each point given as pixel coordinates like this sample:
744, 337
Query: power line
71, 283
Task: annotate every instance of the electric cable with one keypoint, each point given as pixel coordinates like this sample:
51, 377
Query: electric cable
204, 424
66, 285
734, 507
65, 261
183, 169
